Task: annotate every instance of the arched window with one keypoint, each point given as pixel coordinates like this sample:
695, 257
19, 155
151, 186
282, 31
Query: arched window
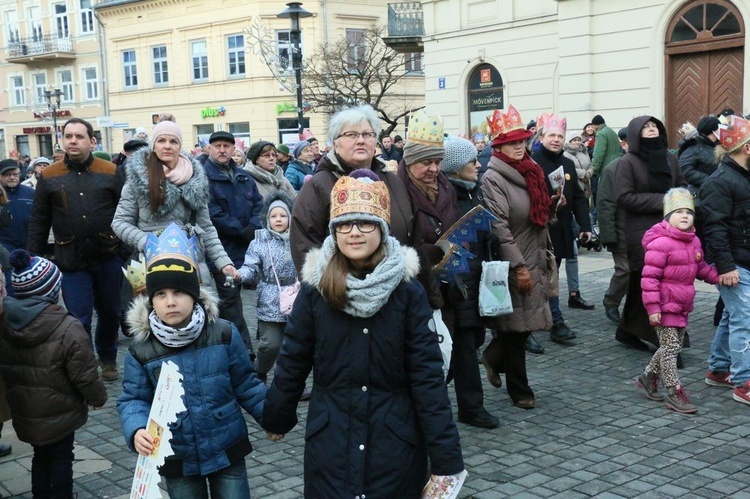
705, 21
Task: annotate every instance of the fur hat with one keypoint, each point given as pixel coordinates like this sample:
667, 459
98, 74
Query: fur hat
166, 128
254, 152
299, 147
458, 152
677, 198
34, 276
597, 120
361, 196
171, 261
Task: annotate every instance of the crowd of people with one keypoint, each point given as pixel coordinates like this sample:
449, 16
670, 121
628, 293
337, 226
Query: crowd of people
353, 234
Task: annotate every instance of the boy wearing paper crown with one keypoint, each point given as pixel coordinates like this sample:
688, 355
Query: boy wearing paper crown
724, 201
50, 372
362, 324
673, 260
563, 234
178, 321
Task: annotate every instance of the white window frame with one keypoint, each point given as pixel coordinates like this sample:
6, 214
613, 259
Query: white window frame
34, 17
414, 62
238, 52
160, 65
18, 90
355, 53
199, 60
86, 17
11, 27
62, 28
65, 86
129, 69
91, 86
40, 86
284, 49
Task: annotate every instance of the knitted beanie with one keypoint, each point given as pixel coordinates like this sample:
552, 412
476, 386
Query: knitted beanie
361, 196
171, 261
34, 276
597, 120
708, 125
166, 128
283, 148
254, 152
102, 155
458, 152
278, 204
299, 147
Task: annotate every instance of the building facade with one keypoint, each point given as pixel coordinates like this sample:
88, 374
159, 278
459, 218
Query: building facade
675, 59
198, 60
47, 45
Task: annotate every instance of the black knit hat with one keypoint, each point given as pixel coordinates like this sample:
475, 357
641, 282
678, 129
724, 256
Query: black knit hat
597, 120
254, 152
622, 134
174, 274
708, 124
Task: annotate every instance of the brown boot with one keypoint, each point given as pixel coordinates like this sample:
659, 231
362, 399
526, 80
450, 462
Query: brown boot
678, 401
649, 383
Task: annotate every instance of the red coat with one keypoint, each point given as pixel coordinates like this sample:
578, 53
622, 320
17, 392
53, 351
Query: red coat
673, 261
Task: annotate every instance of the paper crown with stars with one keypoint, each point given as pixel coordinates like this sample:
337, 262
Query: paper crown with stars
549, 122
425, 130
135, 273
506, 127
171, 262
734, 135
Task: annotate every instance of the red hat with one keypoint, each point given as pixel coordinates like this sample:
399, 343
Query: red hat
733, 137
508, 127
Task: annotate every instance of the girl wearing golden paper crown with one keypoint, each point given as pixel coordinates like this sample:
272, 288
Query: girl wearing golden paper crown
673, 260
361, 322
178, 321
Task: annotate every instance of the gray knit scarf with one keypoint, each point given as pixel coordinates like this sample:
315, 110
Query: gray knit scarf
264, 176
364, 297
178, 337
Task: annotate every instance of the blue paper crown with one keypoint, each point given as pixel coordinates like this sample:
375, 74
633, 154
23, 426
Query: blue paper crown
172, 243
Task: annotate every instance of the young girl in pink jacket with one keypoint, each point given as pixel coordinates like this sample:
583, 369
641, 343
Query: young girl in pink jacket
674, 259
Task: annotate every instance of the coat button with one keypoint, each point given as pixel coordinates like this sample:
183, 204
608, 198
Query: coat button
81, 194
361, 447
364, 388
365, 330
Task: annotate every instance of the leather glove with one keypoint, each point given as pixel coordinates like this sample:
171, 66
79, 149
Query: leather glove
248, 233
524, 283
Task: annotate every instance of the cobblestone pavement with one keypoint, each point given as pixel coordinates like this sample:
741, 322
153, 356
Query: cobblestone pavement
592, 433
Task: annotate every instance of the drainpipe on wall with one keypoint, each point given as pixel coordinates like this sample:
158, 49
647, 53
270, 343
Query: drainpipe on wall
105, 84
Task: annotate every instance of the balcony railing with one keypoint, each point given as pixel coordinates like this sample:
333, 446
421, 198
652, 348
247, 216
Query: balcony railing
405, 19
40, 47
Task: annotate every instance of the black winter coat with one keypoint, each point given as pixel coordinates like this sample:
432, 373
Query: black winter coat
697, 161
561, 233
725, 204
78, 201
379, 402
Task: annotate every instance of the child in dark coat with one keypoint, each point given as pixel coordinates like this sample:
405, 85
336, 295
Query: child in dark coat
673, 260
50, 372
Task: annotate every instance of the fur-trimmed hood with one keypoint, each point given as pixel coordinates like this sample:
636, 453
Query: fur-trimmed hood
277, 195
194, 193
140, 308
312, 272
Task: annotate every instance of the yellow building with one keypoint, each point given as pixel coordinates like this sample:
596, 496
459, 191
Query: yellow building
47, 44
193, 59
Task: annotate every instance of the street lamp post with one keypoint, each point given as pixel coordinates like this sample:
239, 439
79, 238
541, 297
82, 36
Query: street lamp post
294, 12
54, 107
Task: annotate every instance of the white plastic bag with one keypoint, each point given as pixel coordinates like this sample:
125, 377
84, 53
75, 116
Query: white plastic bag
445, 340
494, 296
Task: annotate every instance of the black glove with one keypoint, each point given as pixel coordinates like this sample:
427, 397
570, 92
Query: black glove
248, 233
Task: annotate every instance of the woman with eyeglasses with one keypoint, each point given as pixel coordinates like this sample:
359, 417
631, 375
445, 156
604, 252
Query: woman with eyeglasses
353, 133
302, 164
262, 164
362, 325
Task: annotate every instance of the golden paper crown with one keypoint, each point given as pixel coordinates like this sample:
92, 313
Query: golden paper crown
552, 121
677, 198
135, 273
687, 130
500, 123
735, 134
351, 195
425, 130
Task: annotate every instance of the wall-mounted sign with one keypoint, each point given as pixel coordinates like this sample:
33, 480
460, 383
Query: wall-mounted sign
485, 94
212, 112
441, 83
37, 130
61, 113
286, 107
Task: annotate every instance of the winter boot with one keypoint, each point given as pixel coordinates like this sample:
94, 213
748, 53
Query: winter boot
678, 401
649, 383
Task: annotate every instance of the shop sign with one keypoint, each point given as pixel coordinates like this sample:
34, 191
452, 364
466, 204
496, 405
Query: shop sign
486, 101
61, 113
212, 112
37, 130
286, 107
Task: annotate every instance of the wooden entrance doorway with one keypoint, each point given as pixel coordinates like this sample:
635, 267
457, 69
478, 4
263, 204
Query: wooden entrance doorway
704, 61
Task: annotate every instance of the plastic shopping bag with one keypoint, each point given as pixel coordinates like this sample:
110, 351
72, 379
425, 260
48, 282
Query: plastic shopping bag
444, 338
494, 296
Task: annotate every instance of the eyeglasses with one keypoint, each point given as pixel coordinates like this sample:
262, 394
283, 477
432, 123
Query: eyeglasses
268, 155
364, 226
356, 135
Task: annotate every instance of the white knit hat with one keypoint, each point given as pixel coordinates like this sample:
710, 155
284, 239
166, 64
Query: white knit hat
458, 152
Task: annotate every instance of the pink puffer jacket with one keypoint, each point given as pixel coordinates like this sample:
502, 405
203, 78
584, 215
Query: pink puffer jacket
673, 261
